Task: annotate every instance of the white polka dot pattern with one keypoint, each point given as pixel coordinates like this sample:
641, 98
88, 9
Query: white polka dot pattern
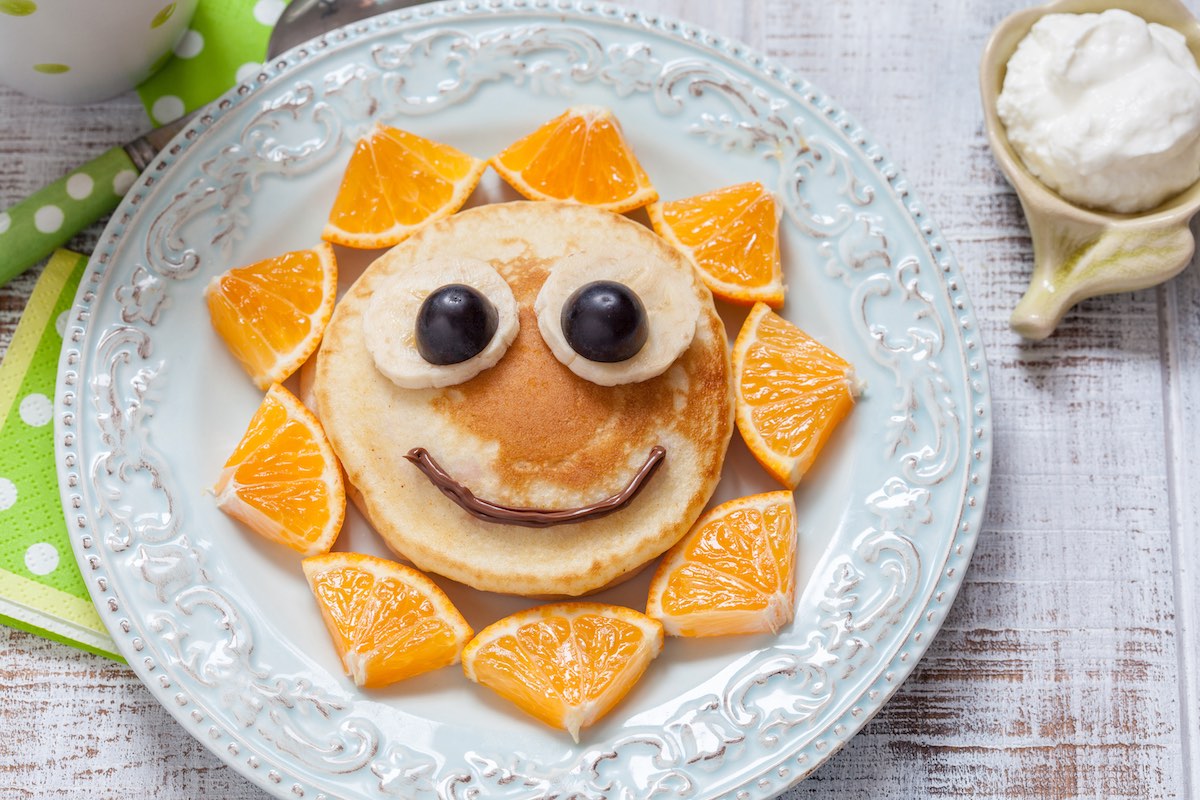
167, 108
41, 558
267, 11
36, 410
48, 219
80, 186
190, 46
123, 180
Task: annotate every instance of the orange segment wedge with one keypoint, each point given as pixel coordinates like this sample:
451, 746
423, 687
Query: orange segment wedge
791, 393
580, 156
283, 479
735, 571
566, 664
388, 622
396, 182
273, 313
731, 236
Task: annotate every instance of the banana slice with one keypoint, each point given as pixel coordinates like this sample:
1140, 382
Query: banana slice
390, 322
668, 295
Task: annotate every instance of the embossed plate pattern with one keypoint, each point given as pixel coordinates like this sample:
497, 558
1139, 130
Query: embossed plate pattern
221, 627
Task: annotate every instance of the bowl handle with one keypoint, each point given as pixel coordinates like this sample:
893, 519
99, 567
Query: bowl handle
1076, 259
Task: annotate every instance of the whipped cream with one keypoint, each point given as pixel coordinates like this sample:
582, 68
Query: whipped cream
1105, 109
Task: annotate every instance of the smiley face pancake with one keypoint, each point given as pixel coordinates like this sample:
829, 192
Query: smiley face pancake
514, 424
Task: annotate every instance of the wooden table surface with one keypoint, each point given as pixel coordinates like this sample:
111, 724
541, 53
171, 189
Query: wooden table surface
1068, 666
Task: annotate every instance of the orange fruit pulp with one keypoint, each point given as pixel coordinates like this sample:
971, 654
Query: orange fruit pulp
733, 573
580, 156
396, 182
283, 479
731, 236
567, 664
272, 314
387, 621
791, 393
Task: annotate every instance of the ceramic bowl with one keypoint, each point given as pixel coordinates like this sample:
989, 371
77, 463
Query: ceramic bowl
83, 51
1080, 252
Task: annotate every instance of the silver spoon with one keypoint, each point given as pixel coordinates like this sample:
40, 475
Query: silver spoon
23, 244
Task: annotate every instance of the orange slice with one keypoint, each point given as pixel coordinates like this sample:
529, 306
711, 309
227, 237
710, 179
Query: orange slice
580, 156
272, 313
735, 572
283, 479
388, 621
396, 182
731, 236
791, 391
567, 664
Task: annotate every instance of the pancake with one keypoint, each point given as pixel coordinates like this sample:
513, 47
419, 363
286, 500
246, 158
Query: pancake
528, 432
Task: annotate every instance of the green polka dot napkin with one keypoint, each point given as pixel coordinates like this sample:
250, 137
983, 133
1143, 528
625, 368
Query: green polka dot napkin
41, 590
227, 42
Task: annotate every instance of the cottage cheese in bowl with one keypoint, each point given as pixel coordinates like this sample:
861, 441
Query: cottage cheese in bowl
1105, 109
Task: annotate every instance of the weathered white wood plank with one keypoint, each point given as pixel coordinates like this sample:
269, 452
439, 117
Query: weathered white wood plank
1060, 669
1180, 317
71, 722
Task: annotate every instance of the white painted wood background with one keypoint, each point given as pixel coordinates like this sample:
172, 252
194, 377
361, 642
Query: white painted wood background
1068, 666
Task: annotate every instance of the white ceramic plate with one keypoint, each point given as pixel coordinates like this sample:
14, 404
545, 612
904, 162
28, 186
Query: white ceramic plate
220, 625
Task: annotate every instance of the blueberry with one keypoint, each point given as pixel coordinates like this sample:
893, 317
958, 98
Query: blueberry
455, 323
605, 321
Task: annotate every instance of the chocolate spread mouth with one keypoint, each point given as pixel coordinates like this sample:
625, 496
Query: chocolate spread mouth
533, 517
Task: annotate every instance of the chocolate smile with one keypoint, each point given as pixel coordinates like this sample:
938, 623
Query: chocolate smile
533, 517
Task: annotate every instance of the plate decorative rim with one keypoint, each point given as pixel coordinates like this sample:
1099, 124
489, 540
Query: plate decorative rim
885, 550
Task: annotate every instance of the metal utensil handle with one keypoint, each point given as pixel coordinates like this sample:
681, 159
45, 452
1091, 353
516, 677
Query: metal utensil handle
34, 227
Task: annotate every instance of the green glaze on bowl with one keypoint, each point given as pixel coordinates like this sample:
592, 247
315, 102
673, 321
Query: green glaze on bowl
17, 8
162, 16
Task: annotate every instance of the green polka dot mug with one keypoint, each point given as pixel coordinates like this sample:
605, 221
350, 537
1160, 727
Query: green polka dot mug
81, 51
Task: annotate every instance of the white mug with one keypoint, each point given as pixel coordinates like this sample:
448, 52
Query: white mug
82, 51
